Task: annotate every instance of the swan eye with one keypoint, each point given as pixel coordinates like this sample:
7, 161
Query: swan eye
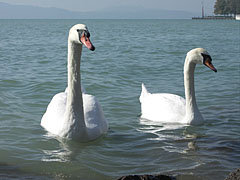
206, 58
81, 32
86, 33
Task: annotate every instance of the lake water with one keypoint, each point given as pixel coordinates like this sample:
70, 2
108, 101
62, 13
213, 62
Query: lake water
33, 60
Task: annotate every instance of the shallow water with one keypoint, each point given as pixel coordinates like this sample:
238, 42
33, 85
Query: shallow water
128, 52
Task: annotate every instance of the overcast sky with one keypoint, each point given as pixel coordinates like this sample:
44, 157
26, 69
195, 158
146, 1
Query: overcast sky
93, 5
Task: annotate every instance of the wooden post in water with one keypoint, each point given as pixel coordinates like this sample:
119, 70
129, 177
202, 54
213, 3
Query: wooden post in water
202, 10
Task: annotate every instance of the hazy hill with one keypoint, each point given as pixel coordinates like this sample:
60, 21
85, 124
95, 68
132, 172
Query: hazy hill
8, 11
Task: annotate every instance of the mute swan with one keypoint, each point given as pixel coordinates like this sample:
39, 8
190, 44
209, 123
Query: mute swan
73, 114
172, 108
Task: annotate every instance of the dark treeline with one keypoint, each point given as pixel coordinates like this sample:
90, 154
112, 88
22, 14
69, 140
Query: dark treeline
227, 7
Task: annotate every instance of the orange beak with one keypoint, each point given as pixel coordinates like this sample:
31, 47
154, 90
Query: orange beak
209, 64
86, 41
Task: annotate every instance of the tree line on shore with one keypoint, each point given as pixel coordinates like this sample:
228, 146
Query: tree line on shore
227, 7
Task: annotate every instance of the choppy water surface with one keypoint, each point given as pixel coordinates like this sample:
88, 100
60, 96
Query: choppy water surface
128, 52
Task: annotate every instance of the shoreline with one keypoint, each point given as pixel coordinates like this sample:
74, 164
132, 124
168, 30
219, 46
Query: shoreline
214, 18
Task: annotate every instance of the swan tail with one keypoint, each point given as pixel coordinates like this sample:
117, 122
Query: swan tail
144, 92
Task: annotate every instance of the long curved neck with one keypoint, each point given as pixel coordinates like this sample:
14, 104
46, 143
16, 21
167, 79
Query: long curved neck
189, 86
74, 76
192, 112
74, 116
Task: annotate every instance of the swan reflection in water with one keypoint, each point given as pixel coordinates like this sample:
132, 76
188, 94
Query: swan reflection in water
60, 150
171, 135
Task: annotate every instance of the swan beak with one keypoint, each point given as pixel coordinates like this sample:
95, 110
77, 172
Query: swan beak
86, 41
209, 64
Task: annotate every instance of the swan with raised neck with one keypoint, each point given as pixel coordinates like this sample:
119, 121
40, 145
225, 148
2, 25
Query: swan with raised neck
172, 108
73, 114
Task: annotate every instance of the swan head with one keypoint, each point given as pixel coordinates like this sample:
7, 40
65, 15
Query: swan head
201, 56
79, 34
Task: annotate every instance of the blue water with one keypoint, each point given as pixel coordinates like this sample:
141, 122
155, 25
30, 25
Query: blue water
33, 60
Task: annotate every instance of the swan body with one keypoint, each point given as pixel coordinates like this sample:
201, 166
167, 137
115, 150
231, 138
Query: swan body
73, 114
154, 105
171, 108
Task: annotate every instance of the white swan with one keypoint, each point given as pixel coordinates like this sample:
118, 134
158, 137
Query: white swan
73, 114
172, 108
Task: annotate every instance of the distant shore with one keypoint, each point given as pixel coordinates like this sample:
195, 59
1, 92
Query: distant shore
214, 18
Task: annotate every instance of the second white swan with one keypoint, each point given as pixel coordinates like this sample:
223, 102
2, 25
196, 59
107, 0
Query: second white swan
73, 114
171, 108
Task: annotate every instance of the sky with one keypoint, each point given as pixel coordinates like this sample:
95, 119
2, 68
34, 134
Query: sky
98, 5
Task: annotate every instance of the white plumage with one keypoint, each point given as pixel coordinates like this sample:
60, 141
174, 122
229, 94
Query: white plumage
171, 108
53, 119
73, 114
157, 107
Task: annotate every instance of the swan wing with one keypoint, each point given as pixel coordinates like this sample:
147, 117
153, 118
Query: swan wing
163, 107
52, 120
94, 118
95, 121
